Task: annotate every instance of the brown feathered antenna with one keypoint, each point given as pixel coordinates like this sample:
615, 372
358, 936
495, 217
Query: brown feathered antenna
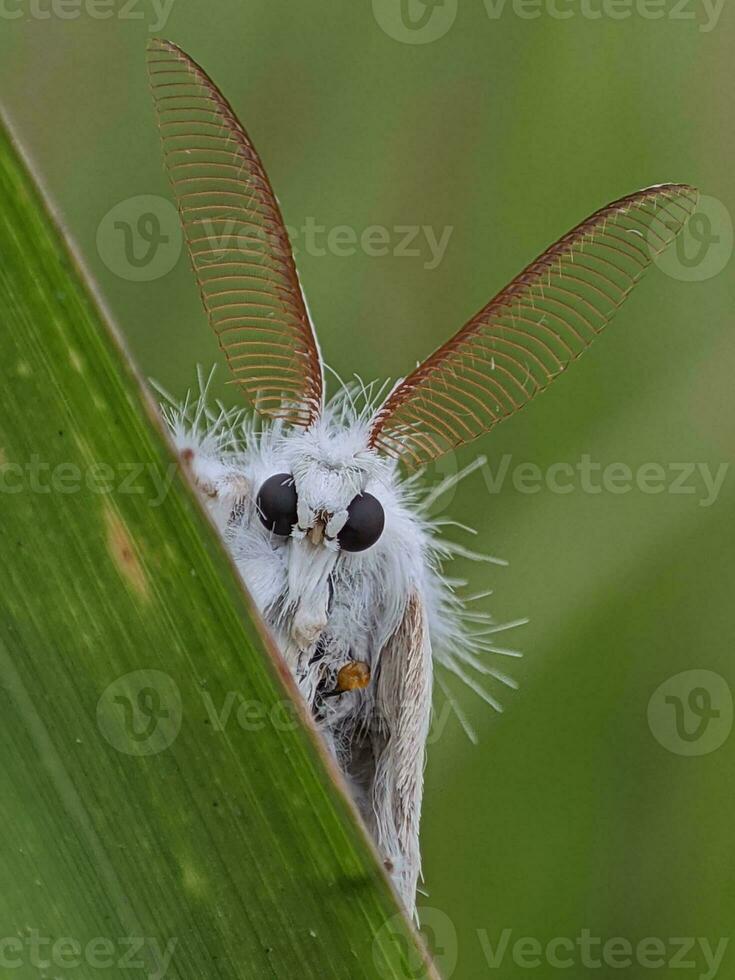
532, 330
237, 241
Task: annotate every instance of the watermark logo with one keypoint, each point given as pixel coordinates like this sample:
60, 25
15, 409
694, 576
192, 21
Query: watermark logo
140, 713
440, 939
703, 248
691, 713
140, 238
415, 21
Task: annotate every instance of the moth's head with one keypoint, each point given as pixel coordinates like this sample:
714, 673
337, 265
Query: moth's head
327, 502
506, 354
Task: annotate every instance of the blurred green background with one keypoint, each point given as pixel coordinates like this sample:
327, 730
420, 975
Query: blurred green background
569, 814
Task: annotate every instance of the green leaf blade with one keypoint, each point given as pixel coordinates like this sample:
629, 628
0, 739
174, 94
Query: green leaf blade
222, 832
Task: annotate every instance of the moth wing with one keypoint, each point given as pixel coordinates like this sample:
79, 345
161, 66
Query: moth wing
532, 330
403, 716
238, 243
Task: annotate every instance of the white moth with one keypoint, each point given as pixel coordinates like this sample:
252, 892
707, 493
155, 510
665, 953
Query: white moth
331, 535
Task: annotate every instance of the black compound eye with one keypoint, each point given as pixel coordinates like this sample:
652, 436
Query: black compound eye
276, 504
364, 525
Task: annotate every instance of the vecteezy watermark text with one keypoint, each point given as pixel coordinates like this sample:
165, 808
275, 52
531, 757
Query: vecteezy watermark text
424, 21
37, 475
140, 239
586, 475
400, 241
45, 954
706, 13
702, 481
156, 11
595, 952
587, 950
141, 713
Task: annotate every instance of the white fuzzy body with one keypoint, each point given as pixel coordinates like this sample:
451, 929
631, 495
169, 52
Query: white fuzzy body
386, 607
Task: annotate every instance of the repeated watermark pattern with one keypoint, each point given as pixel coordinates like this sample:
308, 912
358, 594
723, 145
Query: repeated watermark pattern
39, 476
140, 239
254, 716
586, 950
424, 21
589, 950
703, 248
704, 13
410, 241
54, 956
440, 938
415, 21
691, 713
702, 481
155, 12
141, 713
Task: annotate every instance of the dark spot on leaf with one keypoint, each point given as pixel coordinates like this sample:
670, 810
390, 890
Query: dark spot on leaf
122, 550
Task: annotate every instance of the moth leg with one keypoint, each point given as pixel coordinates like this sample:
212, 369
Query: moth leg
403, 716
